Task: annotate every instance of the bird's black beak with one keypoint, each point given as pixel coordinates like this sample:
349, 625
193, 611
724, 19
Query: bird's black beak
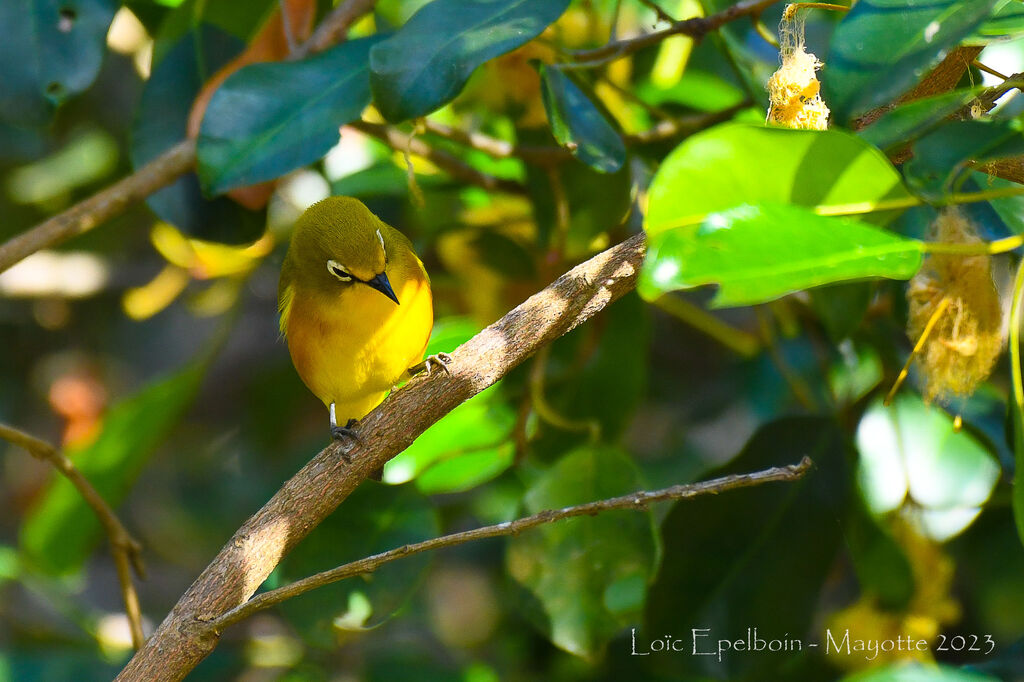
381, 284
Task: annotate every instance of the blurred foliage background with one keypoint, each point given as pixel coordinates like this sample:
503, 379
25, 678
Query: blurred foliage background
148, 349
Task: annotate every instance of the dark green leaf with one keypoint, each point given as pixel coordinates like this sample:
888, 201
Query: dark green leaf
578, 124
760, 253
942, 157
1005, 23
906, 122
589, 573
736, 164
428, 61
61, 530
1009, 209
755, 557
374, 518
883, 569
51, 50
269, 119
883, 47
160, 123
841, 307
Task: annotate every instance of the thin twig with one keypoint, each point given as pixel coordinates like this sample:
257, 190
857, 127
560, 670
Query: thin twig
495, 148
696, 27
452, 165
158, 173
123, 546
638, 500
286, 26
660, 13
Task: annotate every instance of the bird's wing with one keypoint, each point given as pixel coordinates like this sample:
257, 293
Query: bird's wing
285, 293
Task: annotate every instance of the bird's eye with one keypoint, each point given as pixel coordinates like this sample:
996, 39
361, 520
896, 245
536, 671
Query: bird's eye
339, 271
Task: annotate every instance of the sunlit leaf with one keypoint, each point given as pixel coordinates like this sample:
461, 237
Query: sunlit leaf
578, 124
736, 164
269, 119
428, 61
51, 51
759, 253
60, 531
590, 573
883, 47
912, 450
1006, 22
917, 672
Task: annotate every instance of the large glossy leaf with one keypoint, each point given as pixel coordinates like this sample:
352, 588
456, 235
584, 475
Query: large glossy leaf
910, 449
428, 61
374, 518
160, 122
755, 557
590, 574
269, 119
737, 164
51, 50
906, 122
760, 253
883, 47
578, 124
60, 531
1005, 23
466, 447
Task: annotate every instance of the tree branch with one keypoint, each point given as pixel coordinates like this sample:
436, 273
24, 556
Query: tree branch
125, 549
185, 636
696, 27
638, 500
452, 165
161, 171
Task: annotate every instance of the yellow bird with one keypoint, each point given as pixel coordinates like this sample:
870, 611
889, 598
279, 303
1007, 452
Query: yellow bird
355, 308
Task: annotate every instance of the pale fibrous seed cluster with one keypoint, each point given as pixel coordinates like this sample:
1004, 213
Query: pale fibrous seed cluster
794, 90
966, 339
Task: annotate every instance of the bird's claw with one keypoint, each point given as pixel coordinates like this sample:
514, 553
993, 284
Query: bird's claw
439, 360
347, 435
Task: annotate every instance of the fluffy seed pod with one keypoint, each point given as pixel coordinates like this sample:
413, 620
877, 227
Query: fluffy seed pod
794, 90
966, 339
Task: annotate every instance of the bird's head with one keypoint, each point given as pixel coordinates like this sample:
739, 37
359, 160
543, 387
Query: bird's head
338, 243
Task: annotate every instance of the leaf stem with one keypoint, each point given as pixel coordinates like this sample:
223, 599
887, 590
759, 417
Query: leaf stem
737, 340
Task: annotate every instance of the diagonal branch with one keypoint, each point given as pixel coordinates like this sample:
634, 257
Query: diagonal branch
185, 637
697, 27
161, 171
637, 500
123, 546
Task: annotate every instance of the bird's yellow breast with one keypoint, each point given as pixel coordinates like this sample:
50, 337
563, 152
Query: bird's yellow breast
352, 345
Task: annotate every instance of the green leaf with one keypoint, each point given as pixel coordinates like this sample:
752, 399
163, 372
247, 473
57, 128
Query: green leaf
1005, 23
269, 119
910, 449
883, 569
466, 447
760, 253
755, 557
906, 122
736, 164
60, 531
428, 61
917, 672
1009, 209
578, 124
51, 50
590, 574
160, 123
883, 47
374, 518
942, 157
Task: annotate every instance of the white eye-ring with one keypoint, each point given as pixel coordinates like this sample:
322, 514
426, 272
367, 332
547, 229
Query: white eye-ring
339, 271
381, 238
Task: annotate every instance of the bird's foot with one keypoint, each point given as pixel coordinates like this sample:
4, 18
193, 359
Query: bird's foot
347, 435
441, 360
